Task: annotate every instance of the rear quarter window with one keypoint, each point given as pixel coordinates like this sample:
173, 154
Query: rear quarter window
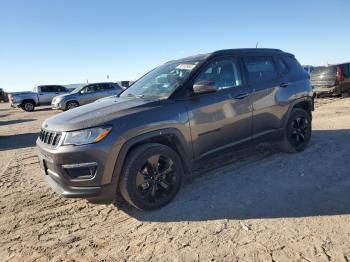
297, 72
260, 69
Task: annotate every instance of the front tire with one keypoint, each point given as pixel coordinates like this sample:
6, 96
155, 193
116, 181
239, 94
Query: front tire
71, 105
297, 132
151, 176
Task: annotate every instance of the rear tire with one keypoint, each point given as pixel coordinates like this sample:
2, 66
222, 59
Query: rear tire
28, 106
151, 176
71, 105
297, 132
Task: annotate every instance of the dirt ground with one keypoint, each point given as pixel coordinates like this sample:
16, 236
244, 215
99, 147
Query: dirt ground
257, 204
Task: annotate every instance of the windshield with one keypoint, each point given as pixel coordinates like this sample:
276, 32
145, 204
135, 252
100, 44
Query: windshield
76, 90
162, 81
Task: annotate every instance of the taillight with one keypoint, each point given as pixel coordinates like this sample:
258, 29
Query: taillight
339, 74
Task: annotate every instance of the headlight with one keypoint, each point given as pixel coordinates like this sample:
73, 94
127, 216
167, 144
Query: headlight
86, 136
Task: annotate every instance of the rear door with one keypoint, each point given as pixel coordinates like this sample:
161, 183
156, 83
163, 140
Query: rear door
221, 119
265, 81
109, 90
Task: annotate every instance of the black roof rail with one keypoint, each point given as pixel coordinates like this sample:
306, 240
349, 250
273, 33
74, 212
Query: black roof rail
255, 50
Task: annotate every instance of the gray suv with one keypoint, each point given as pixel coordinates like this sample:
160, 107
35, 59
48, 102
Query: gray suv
85, 95
142, 142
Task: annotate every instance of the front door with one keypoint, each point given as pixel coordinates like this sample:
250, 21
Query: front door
222, 118
88, 94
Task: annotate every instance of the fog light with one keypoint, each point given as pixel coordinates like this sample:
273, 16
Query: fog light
81, 171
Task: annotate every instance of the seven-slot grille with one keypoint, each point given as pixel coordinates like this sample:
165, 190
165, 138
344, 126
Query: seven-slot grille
50, 138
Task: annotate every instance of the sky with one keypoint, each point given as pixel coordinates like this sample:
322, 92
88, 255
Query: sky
66, 42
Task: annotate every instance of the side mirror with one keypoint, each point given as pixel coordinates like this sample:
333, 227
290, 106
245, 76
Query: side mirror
204, 87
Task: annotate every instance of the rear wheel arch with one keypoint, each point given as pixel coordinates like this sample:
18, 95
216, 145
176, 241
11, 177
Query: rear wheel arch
304, 103
25, 101
307, 105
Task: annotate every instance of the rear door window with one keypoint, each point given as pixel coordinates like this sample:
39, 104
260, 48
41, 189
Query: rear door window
108, 87
282, 65
54, 89
45, 89
260, 69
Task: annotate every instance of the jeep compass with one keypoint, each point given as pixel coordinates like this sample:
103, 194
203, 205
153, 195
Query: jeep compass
142, 142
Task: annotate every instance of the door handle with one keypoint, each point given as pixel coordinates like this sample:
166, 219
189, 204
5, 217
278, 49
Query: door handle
285, 84
241, 96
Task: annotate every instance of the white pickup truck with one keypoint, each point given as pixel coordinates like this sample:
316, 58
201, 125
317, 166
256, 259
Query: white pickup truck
41, 95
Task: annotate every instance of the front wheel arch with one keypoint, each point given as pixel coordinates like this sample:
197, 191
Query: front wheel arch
71, 101
182, 149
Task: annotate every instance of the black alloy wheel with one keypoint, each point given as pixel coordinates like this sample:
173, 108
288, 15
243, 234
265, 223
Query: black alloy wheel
297, 131
156, 179
151, 176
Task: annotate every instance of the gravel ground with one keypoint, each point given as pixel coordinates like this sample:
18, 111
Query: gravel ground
257, 204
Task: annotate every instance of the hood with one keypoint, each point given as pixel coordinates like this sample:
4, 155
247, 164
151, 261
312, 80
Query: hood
97, 113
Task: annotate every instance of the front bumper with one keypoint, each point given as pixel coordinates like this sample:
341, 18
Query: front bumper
57, 106
61, 168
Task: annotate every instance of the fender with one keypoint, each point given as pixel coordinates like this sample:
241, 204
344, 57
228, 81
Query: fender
184, 148
291, 106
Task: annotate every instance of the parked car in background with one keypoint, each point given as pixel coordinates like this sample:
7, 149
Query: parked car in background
144, 141
332, 79
85, 95
3, 96
41, 95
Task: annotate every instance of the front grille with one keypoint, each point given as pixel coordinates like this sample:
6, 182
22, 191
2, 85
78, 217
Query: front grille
50, 138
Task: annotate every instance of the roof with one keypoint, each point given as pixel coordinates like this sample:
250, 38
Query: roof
247, 50
200, 57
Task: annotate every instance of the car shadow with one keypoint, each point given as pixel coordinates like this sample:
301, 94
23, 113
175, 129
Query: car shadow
17, 121
17, 141
43, 109
315, 182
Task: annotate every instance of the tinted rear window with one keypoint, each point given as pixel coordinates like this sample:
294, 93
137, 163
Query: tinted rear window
327, 70
260, 69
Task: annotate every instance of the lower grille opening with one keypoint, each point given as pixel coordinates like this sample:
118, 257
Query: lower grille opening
80, 171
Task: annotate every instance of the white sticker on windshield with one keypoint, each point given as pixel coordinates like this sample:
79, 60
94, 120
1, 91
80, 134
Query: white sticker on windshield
185, 66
